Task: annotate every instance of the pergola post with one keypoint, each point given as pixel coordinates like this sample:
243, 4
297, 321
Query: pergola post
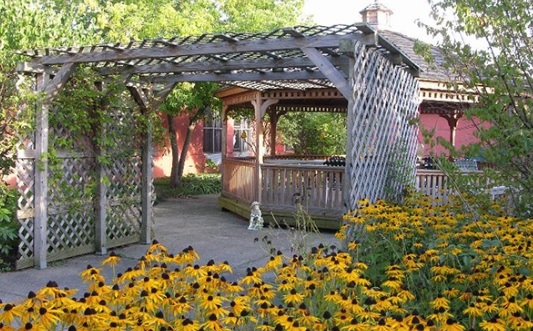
347, 183
40, 230
49, 89
100, 226
148, 104
274, 117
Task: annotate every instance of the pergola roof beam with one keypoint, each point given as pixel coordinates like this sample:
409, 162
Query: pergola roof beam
210, 66
329, 70
247, 76
263, 45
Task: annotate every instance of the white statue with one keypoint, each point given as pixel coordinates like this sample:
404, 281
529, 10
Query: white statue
256, 220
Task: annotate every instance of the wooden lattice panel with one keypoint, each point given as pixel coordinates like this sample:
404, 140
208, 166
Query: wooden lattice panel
70, 231
25, 182
383, 153
72, 195
123, 223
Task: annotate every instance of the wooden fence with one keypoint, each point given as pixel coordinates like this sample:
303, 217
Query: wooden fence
437, 185
319, 187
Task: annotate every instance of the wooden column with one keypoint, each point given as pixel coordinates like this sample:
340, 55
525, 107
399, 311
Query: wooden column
100, 201
452, 120
40, 231
274, 118
49, 89
347, 181
148, 104
260, 108
224, 142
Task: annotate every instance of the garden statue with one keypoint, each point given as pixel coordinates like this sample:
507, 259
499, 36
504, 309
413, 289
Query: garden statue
256, 220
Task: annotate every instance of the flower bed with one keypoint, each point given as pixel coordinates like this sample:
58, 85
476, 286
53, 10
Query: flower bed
410, 267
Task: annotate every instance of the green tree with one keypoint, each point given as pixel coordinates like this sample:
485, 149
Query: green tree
314, 133
126, 20
25, 24
500, 72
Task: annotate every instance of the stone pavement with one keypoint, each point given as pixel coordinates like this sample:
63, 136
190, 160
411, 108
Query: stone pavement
198, 222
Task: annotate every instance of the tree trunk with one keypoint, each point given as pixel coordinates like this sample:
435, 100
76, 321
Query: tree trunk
186, 144
175, 178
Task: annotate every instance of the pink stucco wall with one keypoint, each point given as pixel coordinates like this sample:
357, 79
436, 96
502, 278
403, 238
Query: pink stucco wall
195, 157
464, 134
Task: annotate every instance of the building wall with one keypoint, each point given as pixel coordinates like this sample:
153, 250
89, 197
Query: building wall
464, 133
196, 158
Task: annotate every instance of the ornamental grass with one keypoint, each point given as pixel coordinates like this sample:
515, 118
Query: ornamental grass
405, 267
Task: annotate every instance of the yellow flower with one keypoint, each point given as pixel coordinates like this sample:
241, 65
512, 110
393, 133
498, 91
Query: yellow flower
112, 260
355, 326
494, 324
473, 310
210, 302
9, 313
293, 297
452, 325
440, 302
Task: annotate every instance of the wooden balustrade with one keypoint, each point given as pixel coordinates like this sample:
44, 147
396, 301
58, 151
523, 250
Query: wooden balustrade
238, 179
433, 183
437, 185
318, 186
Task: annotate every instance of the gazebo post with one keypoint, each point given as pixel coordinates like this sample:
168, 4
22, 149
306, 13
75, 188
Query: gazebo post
260, 108
273, 117
223, 143
257, 103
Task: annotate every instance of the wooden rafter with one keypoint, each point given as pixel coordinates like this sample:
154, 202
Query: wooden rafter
229, 57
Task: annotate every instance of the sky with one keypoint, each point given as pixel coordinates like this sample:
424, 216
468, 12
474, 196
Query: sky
330, 12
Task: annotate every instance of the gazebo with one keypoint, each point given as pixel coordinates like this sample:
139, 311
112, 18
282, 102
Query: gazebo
352, 65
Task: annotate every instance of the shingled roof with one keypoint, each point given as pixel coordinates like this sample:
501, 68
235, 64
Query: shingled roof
405, 43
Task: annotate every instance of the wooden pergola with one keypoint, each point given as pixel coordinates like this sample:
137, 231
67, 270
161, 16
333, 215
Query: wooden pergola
376, 79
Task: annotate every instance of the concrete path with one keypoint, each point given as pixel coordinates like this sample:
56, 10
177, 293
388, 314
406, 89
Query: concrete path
199, 222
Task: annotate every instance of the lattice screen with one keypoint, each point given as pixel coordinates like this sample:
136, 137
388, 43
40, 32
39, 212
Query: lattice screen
72, 194
383, 153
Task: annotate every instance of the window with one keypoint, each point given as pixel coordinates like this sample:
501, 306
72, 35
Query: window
241, 127
212, 135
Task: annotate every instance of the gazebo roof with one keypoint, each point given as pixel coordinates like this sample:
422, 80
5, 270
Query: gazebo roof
260, 61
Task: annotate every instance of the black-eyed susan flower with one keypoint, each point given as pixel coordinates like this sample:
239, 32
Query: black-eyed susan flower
493, 324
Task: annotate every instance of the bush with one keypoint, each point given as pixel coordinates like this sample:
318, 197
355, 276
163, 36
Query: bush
9, 227
191, 185
414, 267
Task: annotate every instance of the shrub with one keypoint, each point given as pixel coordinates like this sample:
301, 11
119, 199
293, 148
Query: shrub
191, 185
9, 227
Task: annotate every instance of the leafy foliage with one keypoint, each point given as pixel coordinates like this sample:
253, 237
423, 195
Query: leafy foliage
192, 185
500, 74
8, 227
314, 134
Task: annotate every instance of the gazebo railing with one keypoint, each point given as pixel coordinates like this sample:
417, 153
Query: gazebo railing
238, 179
317, 186
437, 185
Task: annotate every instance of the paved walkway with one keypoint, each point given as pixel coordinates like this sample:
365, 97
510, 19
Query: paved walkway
199, 222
